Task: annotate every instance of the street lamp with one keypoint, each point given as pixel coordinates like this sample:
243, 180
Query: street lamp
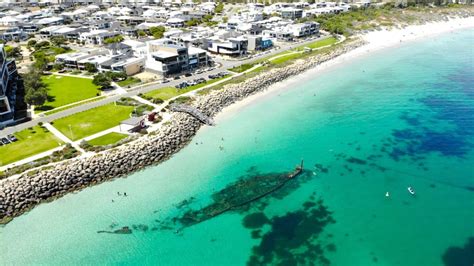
70, 130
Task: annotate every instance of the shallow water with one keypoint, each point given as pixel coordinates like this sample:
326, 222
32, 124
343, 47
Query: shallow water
402, 117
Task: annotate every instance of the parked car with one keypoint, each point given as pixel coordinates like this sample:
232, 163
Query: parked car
12, 138
188, 74
177, 77
165, 81
5, 141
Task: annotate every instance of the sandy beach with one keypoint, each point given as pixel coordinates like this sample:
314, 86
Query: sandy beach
376, 41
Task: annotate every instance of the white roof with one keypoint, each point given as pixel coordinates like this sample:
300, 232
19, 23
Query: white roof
49, 20
90, 7
134, 43
63, 30
80, 11
195, 50
175, 20
9, 19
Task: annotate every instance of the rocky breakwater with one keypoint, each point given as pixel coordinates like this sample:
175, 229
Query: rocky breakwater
23, 193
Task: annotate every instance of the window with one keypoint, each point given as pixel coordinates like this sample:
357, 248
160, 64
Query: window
4, 107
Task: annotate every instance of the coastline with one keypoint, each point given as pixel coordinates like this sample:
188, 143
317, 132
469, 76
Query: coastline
377, 41
20, 195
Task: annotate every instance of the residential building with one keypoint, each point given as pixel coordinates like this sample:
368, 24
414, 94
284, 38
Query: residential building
257, 43
231, 46
12, 102
96, 37
166, 58
304, 29
291, 13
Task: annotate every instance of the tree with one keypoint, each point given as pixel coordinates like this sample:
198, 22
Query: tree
41, 61
102, 80
141, 33
115, 39
35, 89
41, 44
91, 68
225, 19
58, 40
157, 32
31, 43
116, 76
36, 97
14, 52
219, 8
192, 22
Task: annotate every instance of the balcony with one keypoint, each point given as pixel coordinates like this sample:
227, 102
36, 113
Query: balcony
11, 66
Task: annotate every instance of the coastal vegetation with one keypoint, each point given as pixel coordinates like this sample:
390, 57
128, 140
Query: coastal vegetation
92, 121
67, 152
64, 90
30, 142
374, 18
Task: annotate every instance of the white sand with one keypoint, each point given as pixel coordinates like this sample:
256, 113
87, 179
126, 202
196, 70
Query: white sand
377, 41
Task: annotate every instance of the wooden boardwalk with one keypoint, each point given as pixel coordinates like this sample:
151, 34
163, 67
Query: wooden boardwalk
193, 112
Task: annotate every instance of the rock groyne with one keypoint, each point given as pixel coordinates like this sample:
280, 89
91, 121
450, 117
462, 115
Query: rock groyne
23, 193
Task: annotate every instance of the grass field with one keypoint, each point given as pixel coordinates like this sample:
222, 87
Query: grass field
128, 82
73, 105
285, 58
241, 68
30, 142
110, 138
92, 121
64, 90
170, 92
317, 44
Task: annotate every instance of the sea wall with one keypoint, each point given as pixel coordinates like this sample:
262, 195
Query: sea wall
23, 193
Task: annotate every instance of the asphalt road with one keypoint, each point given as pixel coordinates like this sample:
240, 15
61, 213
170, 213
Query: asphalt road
224, 65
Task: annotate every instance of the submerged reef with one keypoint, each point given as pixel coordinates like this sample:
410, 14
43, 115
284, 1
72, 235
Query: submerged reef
293, 238
459, 256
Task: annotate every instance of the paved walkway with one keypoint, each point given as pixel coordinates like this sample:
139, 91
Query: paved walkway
144, 101
30, 159
62, 137
102, 133
73, 76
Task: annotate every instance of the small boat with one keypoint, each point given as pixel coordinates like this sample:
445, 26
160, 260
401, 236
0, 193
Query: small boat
410, 189
387, 194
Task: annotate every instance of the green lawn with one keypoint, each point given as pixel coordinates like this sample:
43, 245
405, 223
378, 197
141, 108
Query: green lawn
66, 90
241, 68
328, 41
30, 142
107, 139
285, 58
170, 92
129, 81
60, 109
92, 121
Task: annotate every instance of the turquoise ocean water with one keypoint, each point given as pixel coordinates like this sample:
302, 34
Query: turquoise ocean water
398, 118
